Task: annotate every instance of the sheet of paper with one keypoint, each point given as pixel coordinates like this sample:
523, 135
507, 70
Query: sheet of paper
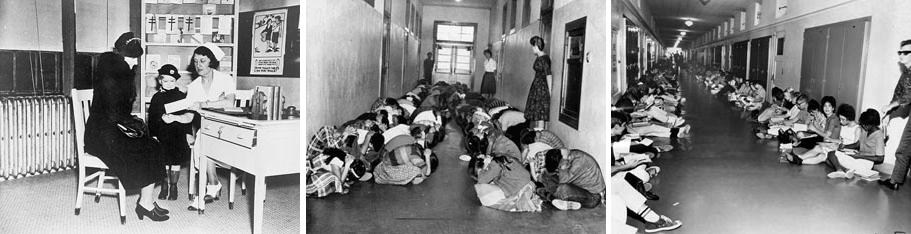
205, 25
176, 106
225, 24
622, 146
799, 127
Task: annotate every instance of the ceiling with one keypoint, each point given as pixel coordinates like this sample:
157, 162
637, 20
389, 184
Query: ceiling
670, 14
486, 4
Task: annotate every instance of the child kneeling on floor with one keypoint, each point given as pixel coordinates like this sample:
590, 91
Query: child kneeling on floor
504, 184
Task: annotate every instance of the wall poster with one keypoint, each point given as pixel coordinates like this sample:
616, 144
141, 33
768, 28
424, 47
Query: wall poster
268, 44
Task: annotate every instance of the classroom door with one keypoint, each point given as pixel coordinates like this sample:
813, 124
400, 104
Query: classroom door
813, 62
739, 59
759, 60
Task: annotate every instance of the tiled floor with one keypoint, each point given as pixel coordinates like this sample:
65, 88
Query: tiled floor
44, 204
729, 182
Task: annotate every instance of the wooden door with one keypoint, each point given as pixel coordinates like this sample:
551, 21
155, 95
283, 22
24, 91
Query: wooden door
759, 60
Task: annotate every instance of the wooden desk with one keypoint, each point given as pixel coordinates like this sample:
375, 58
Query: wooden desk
258, 147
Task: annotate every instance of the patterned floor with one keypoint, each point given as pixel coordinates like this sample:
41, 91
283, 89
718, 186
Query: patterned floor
44, 204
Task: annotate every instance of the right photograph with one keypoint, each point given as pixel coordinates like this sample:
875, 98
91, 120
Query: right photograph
760, 116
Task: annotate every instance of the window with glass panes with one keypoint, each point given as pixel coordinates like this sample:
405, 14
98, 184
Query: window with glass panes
454, 44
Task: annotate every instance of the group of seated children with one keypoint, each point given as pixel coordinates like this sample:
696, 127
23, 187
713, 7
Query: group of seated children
809, 131
518, 169
390, 144
645, 113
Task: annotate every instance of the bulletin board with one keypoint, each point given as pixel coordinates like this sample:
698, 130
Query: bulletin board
269, 43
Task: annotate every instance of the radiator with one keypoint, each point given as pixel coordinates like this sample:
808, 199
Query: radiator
36, 136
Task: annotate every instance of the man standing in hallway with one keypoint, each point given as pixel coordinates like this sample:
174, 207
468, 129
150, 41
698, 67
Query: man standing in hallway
901, 98
428, 68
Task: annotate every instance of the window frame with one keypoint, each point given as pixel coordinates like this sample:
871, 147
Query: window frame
437, 43
526, 13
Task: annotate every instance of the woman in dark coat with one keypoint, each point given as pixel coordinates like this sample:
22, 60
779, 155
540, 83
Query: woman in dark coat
173, 130
537, 107
135, 161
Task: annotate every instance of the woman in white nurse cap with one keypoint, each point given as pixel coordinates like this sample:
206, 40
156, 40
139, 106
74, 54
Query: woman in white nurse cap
210, 89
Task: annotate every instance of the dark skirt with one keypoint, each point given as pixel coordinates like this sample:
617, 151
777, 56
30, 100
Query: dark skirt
489, 83
537, 106
137, 162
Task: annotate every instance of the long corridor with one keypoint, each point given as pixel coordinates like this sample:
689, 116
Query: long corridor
444, 203
731, 182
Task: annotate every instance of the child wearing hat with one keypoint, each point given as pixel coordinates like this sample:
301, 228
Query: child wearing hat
173, 130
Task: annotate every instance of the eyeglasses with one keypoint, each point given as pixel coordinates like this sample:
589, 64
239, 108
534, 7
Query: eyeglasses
904, 52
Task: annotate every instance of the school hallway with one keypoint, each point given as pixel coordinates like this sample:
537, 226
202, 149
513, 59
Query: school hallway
725, 180
444, 203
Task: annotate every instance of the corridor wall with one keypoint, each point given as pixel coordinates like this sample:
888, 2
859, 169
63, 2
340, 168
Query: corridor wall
343, 61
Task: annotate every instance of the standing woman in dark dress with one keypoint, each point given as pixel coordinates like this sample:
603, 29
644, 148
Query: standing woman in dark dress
537, 106
135, 161
173, 130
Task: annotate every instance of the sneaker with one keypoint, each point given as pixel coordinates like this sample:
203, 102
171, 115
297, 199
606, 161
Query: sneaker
653, 170
367, 176
664, 148
648, 186
465, 157
566, 205
836, 175
664, 224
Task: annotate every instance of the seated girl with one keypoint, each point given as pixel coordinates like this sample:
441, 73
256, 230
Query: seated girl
797, 114
848, 136
504, 184
871, 150
781, 103
831, 127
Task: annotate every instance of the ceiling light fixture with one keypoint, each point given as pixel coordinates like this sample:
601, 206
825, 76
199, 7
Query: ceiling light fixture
683, 33
688, 23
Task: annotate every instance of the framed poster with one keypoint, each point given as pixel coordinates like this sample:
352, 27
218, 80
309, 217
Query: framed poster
268, 49
269, 43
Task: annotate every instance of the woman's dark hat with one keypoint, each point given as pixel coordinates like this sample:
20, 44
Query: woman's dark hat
170, 70
128, 45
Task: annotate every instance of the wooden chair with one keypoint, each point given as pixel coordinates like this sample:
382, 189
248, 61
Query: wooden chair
82, 100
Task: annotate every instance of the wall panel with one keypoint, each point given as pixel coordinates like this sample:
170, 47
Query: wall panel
343, 65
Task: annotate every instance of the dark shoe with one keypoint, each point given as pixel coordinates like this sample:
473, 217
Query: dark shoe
664, 224
159, 210
794, 159
172, 193
154, 216
889, 184
164, 191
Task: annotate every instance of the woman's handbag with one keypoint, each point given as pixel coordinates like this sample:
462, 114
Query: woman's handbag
133, 127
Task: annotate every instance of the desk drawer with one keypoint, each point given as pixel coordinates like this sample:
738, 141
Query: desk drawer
238, 135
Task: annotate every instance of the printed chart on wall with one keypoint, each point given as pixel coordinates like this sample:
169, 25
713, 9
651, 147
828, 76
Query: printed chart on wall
268, 45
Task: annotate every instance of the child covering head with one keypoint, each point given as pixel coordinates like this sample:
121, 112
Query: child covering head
173, 130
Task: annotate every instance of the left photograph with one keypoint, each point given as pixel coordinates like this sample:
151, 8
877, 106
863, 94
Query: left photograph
144, 116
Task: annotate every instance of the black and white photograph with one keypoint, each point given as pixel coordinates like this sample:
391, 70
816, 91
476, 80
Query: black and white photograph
111, 122
760, 116
456, 116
